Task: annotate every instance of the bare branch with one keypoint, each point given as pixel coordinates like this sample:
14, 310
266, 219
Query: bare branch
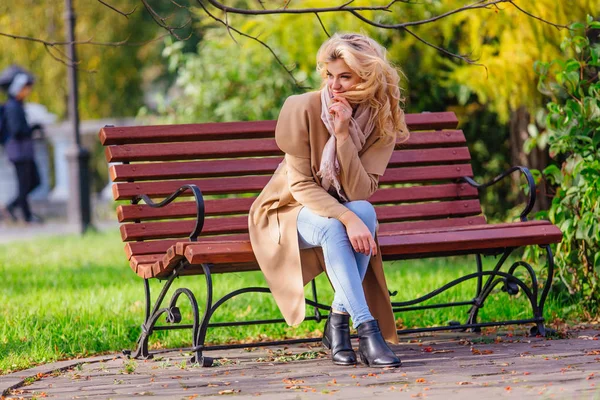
557, 26
286, 10
125, 14
82, 42
125, 42
279, 61
161, 21
322, 25
229, 29
477, 5
32, 39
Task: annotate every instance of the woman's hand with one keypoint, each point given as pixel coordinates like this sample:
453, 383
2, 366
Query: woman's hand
342, 113
358, 233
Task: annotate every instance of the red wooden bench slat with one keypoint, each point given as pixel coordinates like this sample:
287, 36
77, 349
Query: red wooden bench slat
161, 246
252, 166
142, 212
473, 238
431, 224
513, 236
250, 148
127, 191
195, 169
192, 150
240, 130
246, 184
393, 230
161, 230
144, 259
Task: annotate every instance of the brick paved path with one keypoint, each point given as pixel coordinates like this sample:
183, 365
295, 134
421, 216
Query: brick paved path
443, 366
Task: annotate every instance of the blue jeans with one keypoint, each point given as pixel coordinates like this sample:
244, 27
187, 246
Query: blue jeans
346, 268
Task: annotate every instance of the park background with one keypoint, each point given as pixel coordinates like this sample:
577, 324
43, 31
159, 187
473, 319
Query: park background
75, 296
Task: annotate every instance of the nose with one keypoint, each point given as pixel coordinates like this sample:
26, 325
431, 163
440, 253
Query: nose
335, 84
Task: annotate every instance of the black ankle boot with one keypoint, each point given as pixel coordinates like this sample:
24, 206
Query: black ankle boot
337, 338
372, 348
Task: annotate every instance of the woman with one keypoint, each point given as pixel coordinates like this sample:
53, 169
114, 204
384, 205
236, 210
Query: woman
19, 147
313, 215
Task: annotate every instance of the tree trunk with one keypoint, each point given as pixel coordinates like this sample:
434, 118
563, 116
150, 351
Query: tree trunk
537, 159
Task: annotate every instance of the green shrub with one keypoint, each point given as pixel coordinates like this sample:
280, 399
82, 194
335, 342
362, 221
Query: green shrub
573, 136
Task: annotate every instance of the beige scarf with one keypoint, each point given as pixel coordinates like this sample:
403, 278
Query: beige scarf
361, 126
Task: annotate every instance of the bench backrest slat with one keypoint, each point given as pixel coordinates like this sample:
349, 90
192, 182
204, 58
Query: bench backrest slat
241, 130
250, 184
263, 165
250, 148
128, 213
418, 190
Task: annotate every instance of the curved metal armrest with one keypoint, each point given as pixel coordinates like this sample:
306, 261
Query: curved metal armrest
530, 183
199, 206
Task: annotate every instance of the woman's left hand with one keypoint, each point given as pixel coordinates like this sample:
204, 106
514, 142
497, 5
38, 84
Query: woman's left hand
342, 113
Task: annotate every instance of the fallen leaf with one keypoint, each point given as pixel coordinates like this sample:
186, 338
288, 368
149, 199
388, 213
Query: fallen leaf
420, 380
442, 351
229, 391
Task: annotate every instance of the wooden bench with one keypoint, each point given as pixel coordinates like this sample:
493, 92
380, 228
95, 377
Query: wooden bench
427, 206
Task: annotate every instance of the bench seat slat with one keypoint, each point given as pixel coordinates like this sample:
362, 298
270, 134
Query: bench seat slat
253, 166
245, 184
241, 130
386, 230
162, 246
239, 224
474, 238
142, 212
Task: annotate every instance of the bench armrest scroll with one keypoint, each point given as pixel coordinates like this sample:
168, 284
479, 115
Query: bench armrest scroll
199, 206
530, 183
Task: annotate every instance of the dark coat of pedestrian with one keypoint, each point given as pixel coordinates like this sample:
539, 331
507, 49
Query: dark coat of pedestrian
19, 146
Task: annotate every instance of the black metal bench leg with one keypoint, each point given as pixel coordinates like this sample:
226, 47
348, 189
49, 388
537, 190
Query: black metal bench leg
477, 300
151, 318
200, 332
540, 329
484, 291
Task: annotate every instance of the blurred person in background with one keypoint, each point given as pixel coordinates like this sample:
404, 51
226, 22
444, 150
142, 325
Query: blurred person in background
19, 147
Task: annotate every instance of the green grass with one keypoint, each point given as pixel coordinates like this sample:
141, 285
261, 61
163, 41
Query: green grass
73, 297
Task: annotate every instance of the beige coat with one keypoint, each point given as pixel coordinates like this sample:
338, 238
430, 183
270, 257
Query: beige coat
301, 135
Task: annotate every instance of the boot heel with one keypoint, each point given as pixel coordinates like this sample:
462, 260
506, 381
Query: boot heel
326, 343
363, 359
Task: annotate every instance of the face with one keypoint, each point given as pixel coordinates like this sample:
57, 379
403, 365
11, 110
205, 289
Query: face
24, 92
340, 78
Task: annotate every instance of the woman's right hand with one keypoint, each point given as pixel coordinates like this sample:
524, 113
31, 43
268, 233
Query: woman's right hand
360, 237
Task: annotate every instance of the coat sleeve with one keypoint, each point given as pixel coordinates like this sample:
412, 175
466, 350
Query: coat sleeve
359, 175
292, 137
16, 124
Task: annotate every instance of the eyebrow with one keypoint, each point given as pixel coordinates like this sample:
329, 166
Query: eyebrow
343, 73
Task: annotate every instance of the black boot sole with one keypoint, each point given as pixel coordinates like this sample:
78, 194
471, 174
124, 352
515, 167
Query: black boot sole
364, 360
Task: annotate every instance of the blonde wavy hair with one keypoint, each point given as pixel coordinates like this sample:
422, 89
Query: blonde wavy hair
380, 80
